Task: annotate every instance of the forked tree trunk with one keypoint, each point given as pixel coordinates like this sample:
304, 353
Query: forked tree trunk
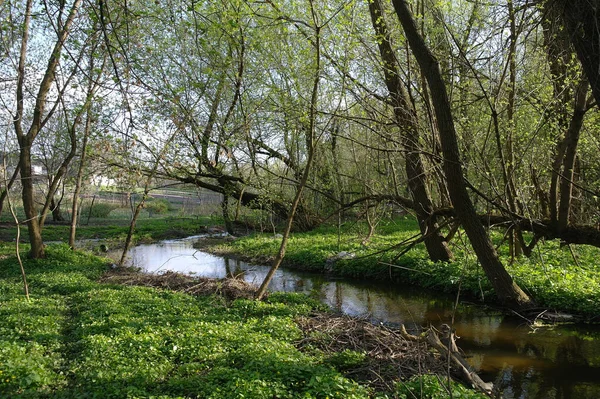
506, 289
406, 119
38, 118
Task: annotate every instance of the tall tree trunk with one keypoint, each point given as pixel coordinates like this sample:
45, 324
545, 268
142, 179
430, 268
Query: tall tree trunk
79, 179
33, 225
581, 20
515, 234
310, 142
38, 118
506, 289
406, 119
571, 142
559, 52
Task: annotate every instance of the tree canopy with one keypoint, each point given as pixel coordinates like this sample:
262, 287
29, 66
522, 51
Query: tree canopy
466, 114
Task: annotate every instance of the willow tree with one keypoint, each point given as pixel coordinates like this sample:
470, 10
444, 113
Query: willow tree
407, 121
506, 289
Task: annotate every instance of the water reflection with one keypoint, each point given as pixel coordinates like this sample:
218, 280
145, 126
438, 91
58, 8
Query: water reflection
560, 362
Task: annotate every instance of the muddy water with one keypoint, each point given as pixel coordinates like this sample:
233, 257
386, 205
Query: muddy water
561, 362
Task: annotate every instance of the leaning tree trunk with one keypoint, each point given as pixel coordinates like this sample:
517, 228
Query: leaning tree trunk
310, 147
506, 289
406, 119
79, 180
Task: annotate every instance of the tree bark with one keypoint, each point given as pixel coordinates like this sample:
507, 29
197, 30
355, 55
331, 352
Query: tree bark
571, 142
580, 18
506, 289
33, 225
406, 119
9, 185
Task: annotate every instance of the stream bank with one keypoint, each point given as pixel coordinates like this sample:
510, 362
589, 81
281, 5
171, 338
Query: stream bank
559, 361
79, 337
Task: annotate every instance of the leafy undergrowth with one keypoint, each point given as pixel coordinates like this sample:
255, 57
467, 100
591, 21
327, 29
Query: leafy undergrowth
81, 338
551, 275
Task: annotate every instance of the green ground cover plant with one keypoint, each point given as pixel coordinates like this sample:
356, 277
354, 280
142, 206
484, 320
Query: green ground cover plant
80, 338
556, 277
116, 229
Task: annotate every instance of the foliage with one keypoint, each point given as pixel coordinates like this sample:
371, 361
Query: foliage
551, 275
79, 338
346, 359
434, 387
98, 210
157, 206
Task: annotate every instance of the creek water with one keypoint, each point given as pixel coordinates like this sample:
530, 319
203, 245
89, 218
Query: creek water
559, 362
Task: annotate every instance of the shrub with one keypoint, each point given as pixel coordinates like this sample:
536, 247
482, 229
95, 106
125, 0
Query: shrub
98, 210
158, 206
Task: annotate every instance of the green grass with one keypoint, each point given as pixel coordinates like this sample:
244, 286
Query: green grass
77, 338
551, 275
117, 229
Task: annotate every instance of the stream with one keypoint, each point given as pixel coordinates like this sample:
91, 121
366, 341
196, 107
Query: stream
559, 362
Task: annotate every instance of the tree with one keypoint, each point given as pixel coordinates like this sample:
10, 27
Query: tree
26, 136
506, 289
580, 19
316, 25
407, 122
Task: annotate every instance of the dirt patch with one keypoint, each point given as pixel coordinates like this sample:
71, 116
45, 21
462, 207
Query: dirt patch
230, 288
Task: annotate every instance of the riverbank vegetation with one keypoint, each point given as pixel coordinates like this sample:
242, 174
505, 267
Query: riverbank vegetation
558, 277
479, 120
462, 114
79, 337
115, 229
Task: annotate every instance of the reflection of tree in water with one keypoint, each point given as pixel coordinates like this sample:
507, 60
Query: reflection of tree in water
575, 351
237, 272
570, 350
560, 368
